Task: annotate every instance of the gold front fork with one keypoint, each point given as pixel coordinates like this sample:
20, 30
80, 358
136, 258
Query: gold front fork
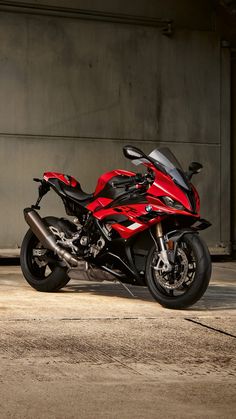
159, 231
163, 255
159, 235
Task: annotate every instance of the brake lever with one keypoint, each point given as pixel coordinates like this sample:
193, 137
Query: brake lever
117, 186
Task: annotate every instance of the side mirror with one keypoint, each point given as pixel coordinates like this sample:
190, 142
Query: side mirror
195, 167
132, 153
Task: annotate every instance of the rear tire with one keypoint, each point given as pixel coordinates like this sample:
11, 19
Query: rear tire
189, 292
36, 275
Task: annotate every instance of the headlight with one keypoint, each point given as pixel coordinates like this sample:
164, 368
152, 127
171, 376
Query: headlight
172, 203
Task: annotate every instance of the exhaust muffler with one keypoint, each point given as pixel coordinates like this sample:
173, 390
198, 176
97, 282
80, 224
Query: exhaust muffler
46, 237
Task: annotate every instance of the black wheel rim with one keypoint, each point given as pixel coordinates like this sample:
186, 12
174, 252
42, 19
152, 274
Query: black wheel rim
39, 272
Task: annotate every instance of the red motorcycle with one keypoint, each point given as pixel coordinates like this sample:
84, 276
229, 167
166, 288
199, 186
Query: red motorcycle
139, 228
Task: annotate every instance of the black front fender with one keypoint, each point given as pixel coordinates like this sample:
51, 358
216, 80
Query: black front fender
176, 235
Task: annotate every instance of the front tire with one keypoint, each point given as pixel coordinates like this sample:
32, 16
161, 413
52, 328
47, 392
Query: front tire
190, 277
43, 273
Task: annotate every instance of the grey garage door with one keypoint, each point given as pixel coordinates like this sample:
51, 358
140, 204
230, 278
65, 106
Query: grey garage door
73, 92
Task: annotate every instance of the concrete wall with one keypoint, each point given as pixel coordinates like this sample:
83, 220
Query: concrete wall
74, 91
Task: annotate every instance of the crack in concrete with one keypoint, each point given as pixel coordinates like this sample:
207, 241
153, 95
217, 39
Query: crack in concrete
211, 328
71, 319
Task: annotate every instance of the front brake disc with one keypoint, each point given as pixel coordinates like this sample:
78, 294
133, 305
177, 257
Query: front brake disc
178, 275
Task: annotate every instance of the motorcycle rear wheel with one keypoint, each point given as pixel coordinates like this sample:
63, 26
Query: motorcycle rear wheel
44, 277
189, 280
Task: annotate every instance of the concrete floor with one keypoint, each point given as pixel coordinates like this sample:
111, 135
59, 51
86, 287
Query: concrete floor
92, 351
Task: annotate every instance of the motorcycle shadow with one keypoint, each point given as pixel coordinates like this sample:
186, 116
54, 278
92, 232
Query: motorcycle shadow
217, 297
110, 289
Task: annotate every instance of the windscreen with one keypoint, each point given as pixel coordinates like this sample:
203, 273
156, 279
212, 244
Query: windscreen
163, 158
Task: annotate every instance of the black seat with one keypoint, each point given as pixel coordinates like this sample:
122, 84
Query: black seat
77, 194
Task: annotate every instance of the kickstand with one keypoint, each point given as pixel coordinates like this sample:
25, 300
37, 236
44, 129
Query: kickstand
126, 288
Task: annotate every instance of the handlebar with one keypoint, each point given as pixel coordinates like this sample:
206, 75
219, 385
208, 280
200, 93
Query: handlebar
132, 180
125, 182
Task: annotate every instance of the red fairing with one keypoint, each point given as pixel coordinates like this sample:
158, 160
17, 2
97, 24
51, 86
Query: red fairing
68, 180
102, 181
98, 204
127, 232
197, 198
164, 186
131, 212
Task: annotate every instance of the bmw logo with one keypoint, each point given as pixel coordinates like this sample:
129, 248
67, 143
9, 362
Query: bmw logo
148, 208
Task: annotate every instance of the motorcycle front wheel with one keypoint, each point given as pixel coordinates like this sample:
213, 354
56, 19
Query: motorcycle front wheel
40, 267
189, 277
